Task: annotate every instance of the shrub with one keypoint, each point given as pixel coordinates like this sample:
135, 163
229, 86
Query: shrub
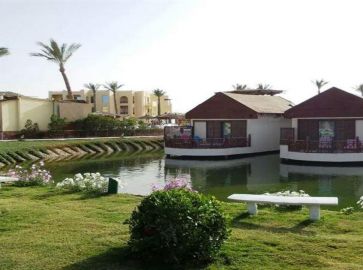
88, 182
35, 175
360, 202
289, 193
177, 226
30, 130
347, 210
56, 125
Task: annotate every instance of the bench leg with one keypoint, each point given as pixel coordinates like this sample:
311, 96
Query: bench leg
252, 208
314, 212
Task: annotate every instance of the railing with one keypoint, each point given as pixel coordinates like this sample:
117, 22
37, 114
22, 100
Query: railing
334, 146
207, 143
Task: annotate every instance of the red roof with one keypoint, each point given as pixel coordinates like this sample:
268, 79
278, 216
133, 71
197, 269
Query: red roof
333, 102
220, 106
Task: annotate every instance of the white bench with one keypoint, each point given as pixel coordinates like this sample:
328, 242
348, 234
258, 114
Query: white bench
7, 179
313, 203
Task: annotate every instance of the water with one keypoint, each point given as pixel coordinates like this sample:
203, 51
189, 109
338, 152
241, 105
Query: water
221, 178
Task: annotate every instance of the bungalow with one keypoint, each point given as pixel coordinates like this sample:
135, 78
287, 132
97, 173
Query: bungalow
325, 128
228, 124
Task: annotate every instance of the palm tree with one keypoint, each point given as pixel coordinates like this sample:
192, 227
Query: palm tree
58, 55
159, 93
359, 88
261, 86
113, 87
3, 51
239, 87
319, 84
93, 87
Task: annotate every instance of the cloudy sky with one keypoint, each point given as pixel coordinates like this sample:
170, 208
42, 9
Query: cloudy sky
189, 48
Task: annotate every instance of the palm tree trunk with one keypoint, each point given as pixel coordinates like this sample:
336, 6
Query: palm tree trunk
159, 109
68, 86
94, 101
114, 100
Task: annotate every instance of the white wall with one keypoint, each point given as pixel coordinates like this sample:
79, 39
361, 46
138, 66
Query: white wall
320, 157
265, 132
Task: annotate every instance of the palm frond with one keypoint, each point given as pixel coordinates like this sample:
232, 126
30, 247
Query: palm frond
56, 53
113, 86
92, 86
4, 51
158, 92
261, 86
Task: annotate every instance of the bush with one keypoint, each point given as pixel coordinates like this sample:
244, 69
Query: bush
56, 125
100, 123
88, 182
30, 130
289, 193
34, 176
360, 202
177, 226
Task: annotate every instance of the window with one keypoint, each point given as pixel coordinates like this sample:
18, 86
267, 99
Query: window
57, 97
124, 109
226, 129
92, 99
124, 99
105, 103
77, 97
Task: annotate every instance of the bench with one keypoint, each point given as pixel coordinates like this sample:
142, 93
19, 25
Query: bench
313, 203
7, 179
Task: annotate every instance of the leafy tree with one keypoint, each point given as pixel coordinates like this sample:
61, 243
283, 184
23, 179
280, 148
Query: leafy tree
93, 87
59, 55
359, 88
3, 51
261, 86
319, 84
113, 87
239, 87
159, 93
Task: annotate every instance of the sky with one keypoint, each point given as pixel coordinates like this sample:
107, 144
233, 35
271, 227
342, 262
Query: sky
189, 48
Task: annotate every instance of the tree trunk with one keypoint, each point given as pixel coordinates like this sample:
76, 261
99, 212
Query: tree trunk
94, 101
159, 109
114, 100
69, 90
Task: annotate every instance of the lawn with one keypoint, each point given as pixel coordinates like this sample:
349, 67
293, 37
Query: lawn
41, 228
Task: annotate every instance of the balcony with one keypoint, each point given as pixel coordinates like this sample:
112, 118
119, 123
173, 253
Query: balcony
327, 150
210, 143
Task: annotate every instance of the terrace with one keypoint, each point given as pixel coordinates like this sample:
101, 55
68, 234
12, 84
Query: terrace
323, 144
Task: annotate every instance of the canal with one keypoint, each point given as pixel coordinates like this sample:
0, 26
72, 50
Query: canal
221, 178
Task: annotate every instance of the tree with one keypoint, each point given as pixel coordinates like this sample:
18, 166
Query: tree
60, 56
93, 87
261, 86
359, 88
159, 93
113, 87
239, 87
319, 84
3, 51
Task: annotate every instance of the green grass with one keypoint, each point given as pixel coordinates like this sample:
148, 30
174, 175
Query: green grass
23, 145
41, 228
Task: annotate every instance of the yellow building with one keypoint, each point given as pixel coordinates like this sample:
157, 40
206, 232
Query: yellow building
15, 110
128, 103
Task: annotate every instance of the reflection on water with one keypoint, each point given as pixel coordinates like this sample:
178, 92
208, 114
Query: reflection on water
223, 177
